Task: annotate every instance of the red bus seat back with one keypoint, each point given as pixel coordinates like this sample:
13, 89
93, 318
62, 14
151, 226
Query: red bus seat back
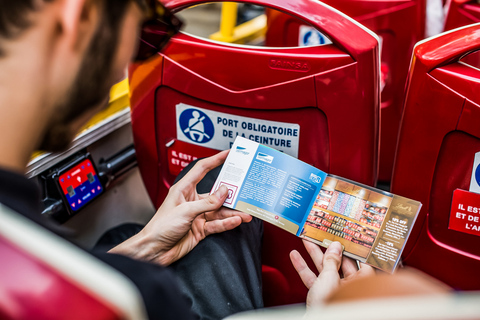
387, 20
437, 144
44, 277
461, 13
313, 87
324, 99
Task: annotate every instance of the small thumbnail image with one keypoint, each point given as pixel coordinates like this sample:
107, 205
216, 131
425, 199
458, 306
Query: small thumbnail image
341, 203
343, 228
373, 214
323, 199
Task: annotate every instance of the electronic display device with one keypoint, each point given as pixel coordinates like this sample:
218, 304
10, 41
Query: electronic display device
79, 184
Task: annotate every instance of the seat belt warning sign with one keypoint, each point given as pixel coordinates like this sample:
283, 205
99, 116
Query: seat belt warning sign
465, 212
218, 130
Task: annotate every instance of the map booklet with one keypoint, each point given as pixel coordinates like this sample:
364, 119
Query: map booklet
371, 224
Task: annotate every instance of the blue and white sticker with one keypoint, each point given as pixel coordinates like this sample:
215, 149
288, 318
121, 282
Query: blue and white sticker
309, 36
475, 179
218, 130
196, 126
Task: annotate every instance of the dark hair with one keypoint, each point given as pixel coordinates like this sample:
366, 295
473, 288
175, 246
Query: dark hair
14, 15
13, 18
93, 80
102, 51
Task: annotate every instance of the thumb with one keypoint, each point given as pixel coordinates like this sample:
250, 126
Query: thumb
210, 203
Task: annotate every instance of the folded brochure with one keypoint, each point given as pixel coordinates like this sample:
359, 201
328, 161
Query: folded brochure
372, 225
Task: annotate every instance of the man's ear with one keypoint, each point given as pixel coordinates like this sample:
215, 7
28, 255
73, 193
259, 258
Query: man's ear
78, 21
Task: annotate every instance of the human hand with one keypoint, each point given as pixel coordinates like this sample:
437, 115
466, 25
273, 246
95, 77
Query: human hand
328, 265
184, 219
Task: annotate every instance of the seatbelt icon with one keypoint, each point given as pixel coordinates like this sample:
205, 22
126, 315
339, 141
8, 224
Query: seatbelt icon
196, 127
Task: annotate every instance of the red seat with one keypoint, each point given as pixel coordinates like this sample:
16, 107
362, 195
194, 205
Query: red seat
193, 98
461, 13
44, 277
387, 19
439, 137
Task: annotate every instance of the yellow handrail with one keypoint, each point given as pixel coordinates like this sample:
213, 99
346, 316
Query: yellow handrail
243, 33
229, 19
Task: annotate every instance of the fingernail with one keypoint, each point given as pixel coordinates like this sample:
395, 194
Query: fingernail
335, 248
221, 192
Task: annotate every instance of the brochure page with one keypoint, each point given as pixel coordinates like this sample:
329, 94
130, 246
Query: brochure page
371, 224
269, 184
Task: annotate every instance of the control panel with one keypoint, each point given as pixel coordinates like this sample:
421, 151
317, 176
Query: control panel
75, 182
80, 184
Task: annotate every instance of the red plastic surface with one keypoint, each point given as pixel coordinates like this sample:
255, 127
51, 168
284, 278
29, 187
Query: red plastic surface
335, 100
461, 13
31, 289
387, 19
437, 143
240, 81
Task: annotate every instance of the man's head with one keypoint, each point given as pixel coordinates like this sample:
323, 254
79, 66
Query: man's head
84, 49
